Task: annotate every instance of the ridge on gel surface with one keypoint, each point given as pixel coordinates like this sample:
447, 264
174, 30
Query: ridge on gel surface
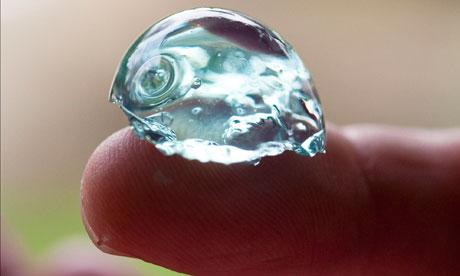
214, 85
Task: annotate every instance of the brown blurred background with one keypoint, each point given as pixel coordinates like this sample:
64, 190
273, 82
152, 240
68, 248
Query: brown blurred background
392, 62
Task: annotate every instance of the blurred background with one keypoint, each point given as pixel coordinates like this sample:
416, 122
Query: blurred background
391, 62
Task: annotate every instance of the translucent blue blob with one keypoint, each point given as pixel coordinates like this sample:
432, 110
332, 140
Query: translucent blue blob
214, 85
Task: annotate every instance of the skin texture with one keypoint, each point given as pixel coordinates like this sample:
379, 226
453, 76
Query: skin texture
381, 201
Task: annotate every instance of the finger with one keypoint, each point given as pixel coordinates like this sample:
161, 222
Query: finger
289, 211
413, 176
303, 214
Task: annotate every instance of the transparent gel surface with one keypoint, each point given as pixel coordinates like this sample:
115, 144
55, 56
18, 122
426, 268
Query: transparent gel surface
214, 85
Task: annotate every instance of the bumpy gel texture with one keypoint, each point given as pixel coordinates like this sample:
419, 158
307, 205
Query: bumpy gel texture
215, 85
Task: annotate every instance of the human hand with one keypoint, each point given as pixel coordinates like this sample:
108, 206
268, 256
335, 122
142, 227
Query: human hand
382, 200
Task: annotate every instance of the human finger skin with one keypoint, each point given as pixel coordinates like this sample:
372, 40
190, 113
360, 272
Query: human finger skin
289, 214
413, 179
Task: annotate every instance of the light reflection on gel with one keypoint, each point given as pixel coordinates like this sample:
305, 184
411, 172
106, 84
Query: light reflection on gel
214, 85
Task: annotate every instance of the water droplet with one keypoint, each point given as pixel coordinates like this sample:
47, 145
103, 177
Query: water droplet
196, 110
196, 83
255, 162
257, 96
239, 111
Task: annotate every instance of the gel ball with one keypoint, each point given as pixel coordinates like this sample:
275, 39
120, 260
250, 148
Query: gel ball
215, 85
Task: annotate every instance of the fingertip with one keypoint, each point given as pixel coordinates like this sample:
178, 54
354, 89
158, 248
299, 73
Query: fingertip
204, 217
192, 216
102, 169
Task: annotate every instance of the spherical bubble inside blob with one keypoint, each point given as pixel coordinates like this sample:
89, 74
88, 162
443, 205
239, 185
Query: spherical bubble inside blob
214, 85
